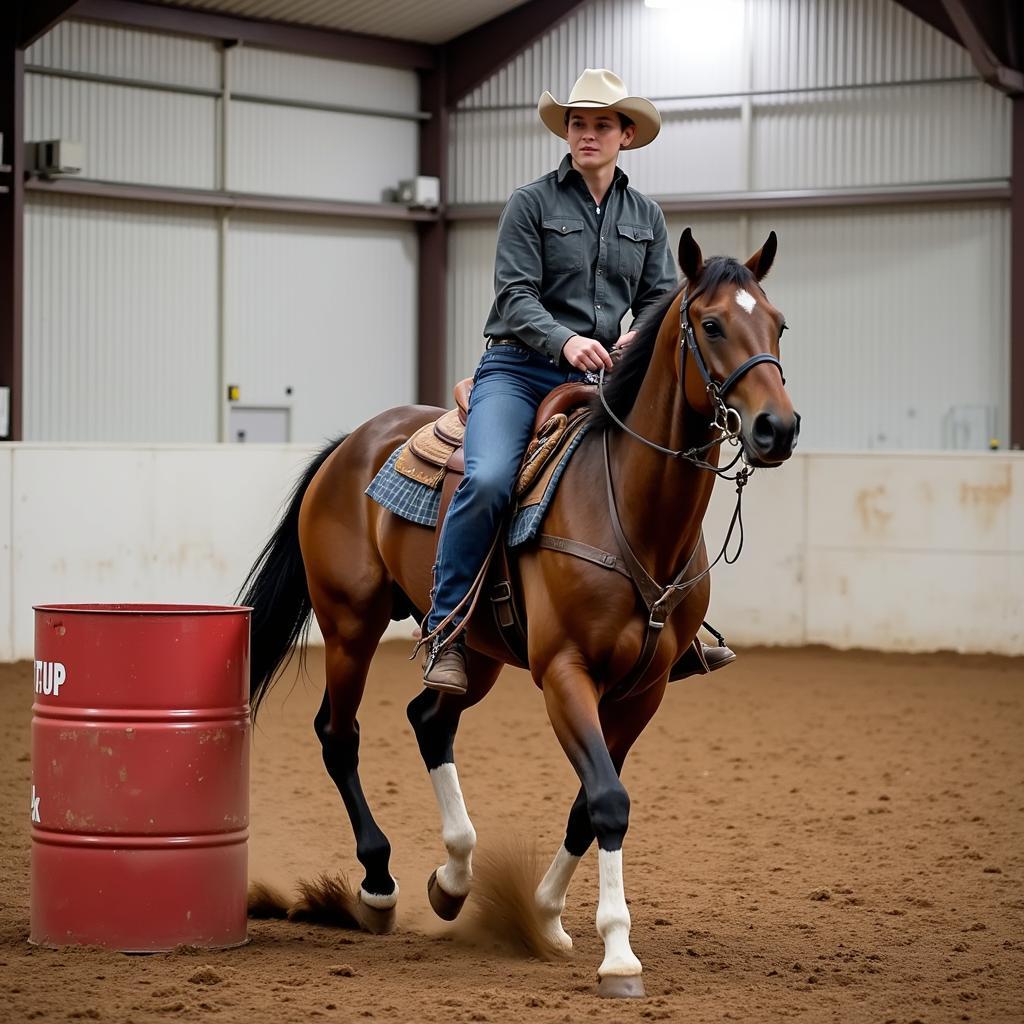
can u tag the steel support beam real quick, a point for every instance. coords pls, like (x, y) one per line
(476, 55)
(12, 219)
(432, 384)
(1017, 278)
(37, 17)
(317, 42)
(976, 40)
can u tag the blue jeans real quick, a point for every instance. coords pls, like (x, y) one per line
(509, 384)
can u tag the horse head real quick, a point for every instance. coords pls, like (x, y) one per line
(730, 351)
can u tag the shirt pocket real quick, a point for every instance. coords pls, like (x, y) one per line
(633, 242)
(563, 245)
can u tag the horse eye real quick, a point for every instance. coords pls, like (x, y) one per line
(711, 329)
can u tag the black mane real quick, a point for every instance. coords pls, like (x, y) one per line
(621, 386)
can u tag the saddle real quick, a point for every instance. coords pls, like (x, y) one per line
(434, 456)
(436, 448)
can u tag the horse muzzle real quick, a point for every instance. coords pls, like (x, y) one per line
(771, 438)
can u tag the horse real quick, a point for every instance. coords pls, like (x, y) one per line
(703, 368)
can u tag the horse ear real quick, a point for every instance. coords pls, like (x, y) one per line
(761, 262)
(690, 259)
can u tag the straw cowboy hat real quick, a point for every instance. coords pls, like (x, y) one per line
(595, 89)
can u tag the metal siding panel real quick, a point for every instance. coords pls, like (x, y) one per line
(892, 134)
(129, 134)
(128, 53)
(285, 151)
(899, 320)
(902, 135)
(295, 77)
(436, 22)
(120, 317)
(471, 247)
(326, 308)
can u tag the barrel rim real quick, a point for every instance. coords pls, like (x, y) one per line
(140, 609)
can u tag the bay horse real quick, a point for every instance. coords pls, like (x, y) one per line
(655, 436)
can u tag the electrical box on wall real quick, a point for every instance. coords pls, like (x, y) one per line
(55, 156)
(422, 192)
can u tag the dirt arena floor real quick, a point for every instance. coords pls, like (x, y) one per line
(822, 836)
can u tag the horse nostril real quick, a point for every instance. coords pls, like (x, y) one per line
(764, 431)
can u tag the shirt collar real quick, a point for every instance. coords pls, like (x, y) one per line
(566, 170)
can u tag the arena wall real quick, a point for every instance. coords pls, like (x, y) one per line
(895, 552)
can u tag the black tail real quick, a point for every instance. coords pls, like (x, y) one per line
(276, 589)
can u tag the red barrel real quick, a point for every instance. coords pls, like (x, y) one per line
(140, 776)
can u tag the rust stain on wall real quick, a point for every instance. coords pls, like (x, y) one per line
(986, 500)
(873, 516)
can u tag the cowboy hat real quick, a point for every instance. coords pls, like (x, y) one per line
(596, 89)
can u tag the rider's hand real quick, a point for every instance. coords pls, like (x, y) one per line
(625, 341)
(586, 353)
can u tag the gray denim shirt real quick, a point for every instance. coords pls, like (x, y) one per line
(565, 266)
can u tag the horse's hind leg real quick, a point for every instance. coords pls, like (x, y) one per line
(554, 886)
(434, 717)
(351, 640)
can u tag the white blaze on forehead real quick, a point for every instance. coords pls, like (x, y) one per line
(746, 300)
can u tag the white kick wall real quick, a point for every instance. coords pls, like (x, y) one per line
(138, 314)
(894, 552)
(899, 315)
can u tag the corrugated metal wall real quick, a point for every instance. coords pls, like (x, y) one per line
(826, 94)
(720, 74)
(898, 318)
(292, 289)
(325, 308)
(120, 321)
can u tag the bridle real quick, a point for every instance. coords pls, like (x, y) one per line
(725, 419)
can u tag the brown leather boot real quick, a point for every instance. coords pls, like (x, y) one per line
(718, 656)
(692, 664)
(445, 666)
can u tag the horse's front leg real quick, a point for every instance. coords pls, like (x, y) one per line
(572, 704)
(435, 719)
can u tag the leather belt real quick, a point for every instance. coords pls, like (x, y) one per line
(495, 342)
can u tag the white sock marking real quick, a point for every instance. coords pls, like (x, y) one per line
(746, 300)
(613, 919)
(551, 894)
(377, 901)
(456, 830)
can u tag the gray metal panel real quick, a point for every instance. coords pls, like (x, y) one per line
(327, 309)
(317, 153)
(470, 293)
(434, 22)
(129, 134)
(295, 77)
(733, 140)
(808, 43)
(128, 53)
(956, 131)
(120, 318)
(899, 320)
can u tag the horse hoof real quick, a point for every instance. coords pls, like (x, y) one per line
(446, 907)
(375, 920)
(621, 986)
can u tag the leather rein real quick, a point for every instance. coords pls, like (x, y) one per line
(662, 601)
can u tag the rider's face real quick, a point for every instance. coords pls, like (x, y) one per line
(595, 138)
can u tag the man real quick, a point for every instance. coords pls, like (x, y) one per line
(576, 249)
